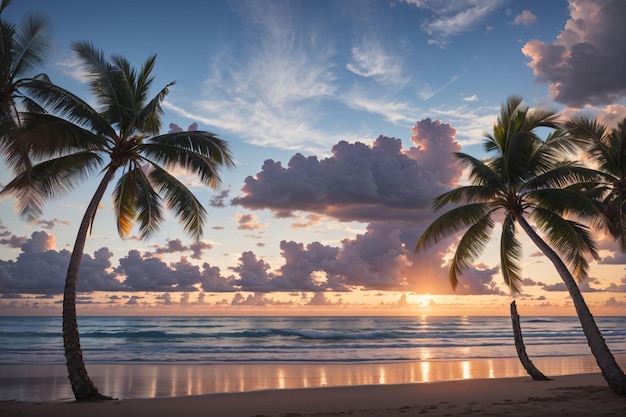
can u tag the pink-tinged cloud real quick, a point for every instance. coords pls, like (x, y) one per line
(526, 18)
(585, 64)
(39, 269)
(360, 182)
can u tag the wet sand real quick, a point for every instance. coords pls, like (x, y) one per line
(480, 387)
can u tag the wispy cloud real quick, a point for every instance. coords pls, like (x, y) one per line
(397, 112)
(270, 92)
(370, 59)
(453, 17)
(470, 121)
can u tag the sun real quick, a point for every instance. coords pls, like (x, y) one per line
(421, 300)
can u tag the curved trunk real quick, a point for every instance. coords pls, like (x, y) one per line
(530, 367)
(611, 371)
(82, 386)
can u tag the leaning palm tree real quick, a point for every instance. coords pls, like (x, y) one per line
(527, 179)
(72, 140)
(607, 150)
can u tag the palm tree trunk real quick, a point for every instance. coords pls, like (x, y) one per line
(611, 371)
(82, 386)
(530, 367)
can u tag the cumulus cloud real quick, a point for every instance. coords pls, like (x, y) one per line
(248, 222)
(585, 64)
(176, 245)
(526, 18)
(49, 224)
(584, 286)
(174, 128)
(320, 299)
(40, 269)
(360, 182)
(218, 200)
(257, 300)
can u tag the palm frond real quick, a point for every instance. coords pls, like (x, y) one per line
(44, 136)
(35, 185)
(62, 103)
(125, 203)
(149, 117)
(565, 201)
(471, 246)
(570, 239)
(451, 222)
(181, 201)
(565, 175)
(465, 195)
(32, 45)
(199, 152)
(480, 172)
(510, 255)
(135, 200)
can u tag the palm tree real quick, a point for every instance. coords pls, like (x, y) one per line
(527, 178)
(607, 149)
(72, 140)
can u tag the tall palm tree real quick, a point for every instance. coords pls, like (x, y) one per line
(527, 179)
(72, 140)
(607, 149)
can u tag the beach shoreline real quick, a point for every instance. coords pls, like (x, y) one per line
(568, 395)
(45, 383)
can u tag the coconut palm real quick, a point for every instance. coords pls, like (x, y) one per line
(607, 150)
(72, 140)
(527, 179)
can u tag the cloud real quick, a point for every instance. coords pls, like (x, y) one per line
(453, 17)
(585, 286)
(40, 269)
(174, 128)
(613, 302)
(621, 287)
(585, 65)
(277, 80)
(371, 60)
(360, 182)
(152, 274)
(471, 98)
(12, 241)
(526, 18)
(375, 102)
(49, 224)
(248, 222)
(176, 245)
(257, 300)
(319, 299)
(218, 200)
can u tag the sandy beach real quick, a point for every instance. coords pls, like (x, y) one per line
(480, 387)
(572, 395)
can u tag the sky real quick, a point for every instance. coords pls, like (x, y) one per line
(342, 117)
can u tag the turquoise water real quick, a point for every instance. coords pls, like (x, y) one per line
(38, 340)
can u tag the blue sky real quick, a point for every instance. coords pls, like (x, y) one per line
(342, 116)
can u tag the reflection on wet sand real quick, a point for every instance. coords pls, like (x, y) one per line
(49, 383)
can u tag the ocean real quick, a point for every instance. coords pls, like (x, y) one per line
(207, 340)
